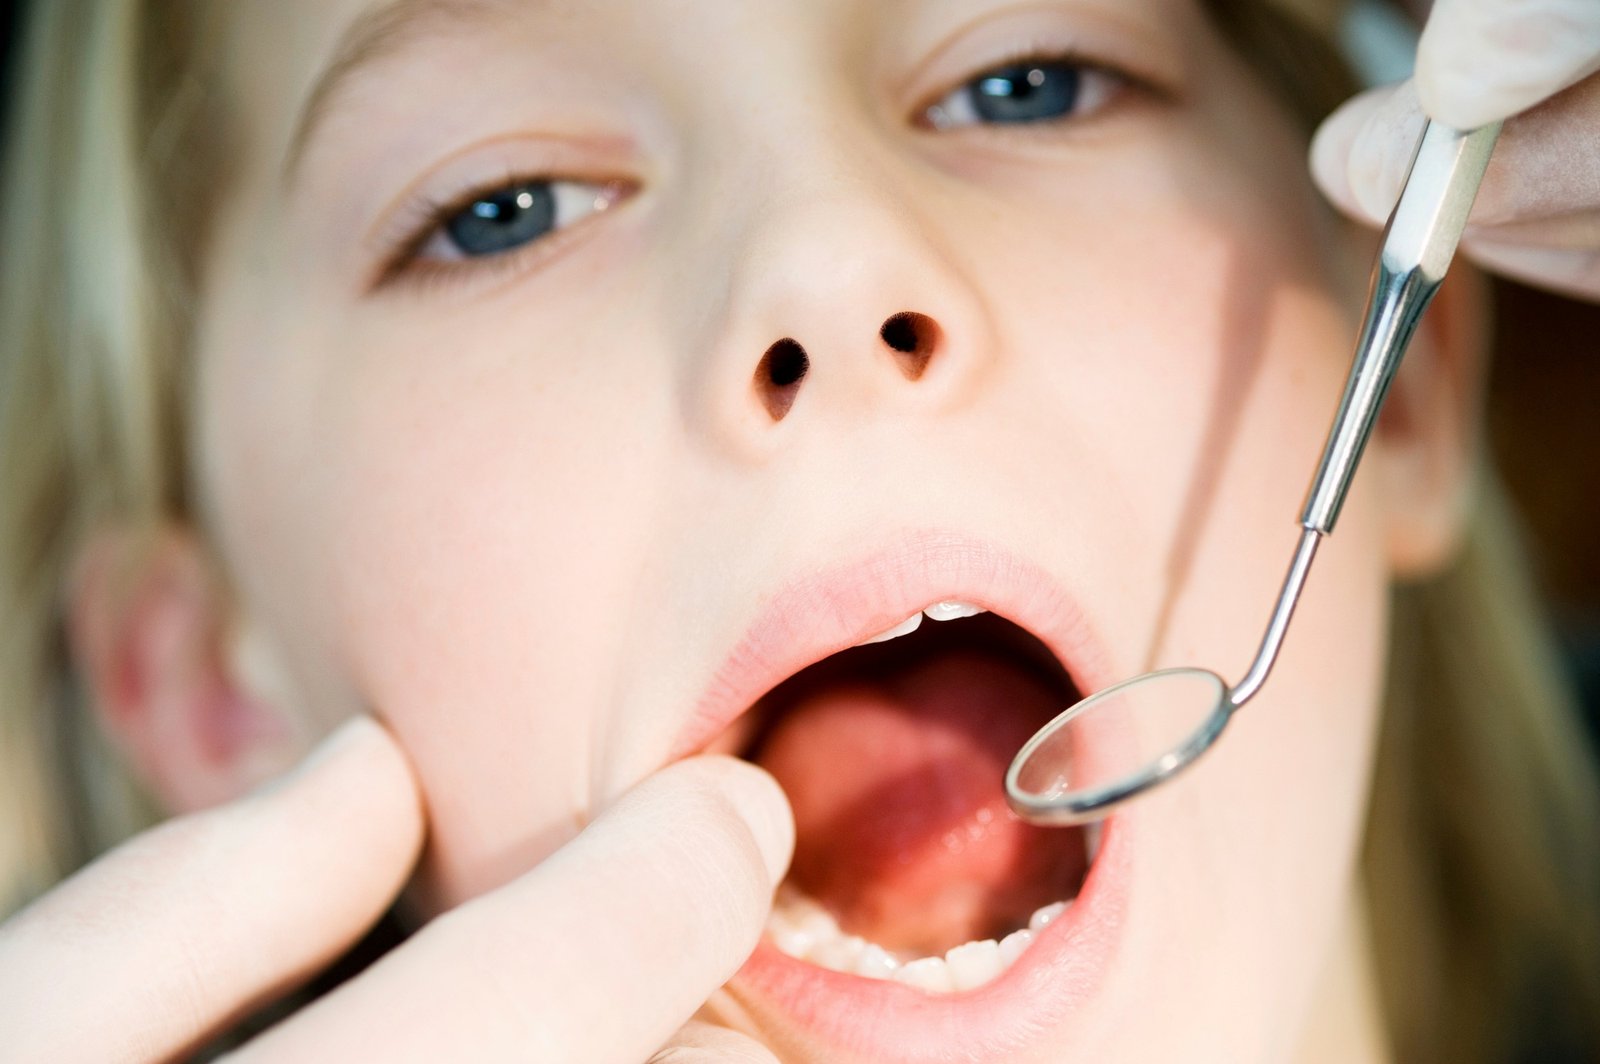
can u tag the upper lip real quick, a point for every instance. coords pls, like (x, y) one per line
(847, 601)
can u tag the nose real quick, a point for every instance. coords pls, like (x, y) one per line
(840, 303)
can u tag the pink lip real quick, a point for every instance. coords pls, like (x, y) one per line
(852, 1018)
(850, 601)
(838, 606)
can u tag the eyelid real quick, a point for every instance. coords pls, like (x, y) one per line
(1113, 39)
(483, 165)
(1103, 86)
(421, 221)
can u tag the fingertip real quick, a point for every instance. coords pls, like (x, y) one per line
(359, 736)
(373, 780)
(1454, 97)
(1330, 154)
(1480, 62)
(1383, 144)
(1349, 156)
(760, 802)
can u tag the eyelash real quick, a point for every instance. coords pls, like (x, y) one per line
(421, 220)
(1042, 54)
(426, 216)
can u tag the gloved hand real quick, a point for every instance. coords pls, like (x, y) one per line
(1537, 217)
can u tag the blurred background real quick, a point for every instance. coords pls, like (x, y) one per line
(1544, 394)
(8, 37)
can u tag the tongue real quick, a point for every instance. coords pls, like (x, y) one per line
(902, 828)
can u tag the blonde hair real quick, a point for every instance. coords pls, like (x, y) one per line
(1482, 854)
(1482, 838)
(93, 312)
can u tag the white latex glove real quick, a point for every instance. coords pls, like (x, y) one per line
(598, 955)
(1538, 213)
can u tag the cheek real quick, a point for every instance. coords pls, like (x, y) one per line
(455, 525)
(1192, 389)
(507, 498)
(1198, 390)
(1256, 850)
(1258, 846)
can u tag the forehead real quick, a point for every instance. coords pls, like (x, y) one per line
(306, 75)
(307, 43)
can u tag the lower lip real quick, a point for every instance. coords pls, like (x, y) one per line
(849, 1017)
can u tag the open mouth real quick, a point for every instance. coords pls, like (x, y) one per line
(908, 865)
(895, 936)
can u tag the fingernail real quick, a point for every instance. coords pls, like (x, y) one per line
(765, 808)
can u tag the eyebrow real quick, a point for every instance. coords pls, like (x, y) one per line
(377, 35)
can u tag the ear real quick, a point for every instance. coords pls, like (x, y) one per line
(1428, 436)
(151, 632)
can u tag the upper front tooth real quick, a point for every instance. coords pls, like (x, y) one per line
(905, 627)
(939, 611)
(949, 611)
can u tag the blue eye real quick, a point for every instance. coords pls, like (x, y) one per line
(1026, 92)
(499, 220)
(503, 220)
(1031, 90)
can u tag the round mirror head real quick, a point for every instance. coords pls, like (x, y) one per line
(1117, 744)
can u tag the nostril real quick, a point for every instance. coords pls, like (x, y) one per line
(778, 376)
(913, 337)
(786, 363)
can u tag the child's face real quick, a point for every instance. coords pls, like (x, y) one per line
(525, 506)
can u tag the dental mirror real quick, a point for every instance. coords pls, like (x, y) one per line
(1121, 742)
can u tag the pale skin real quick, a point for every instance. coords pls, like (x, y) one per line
(501, 491)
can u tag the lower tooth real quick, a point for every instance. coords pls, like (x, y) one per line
(1047, 915)
(839, 954)
(875, 962)
(929, 973)
(795, 942)
(798, 925)
(806, 931)
(974, 963)
(1012, 945)
(817, 923)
